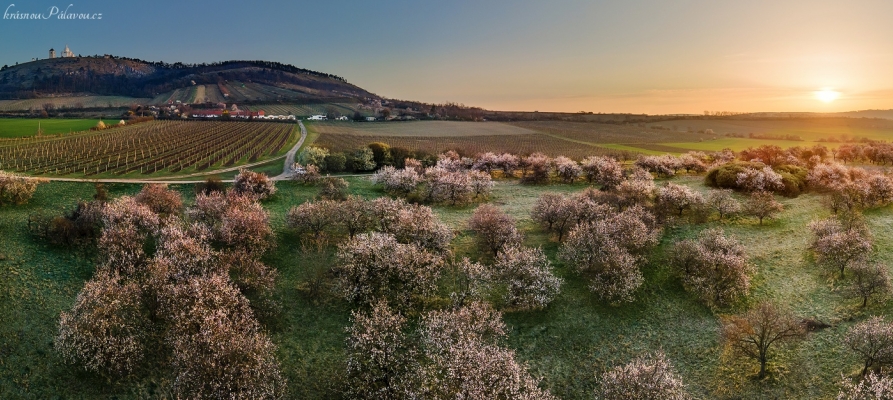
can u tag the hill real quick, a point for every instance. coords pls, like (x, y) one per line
(244, 81)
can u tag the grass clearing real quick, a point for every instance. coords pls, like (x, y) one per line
(20, 127)
(61, 103)
(808, 129)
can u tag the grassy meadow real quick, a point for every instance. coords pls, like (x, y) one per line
(568, 344)
(60, 103)
(20, 127)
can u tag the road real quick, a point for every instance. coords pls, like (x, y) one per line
(290, 156)
(286, 169)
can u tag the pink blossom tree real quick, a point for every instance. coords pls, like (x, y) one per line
(495, 229)
(646, 377)
(714, 267)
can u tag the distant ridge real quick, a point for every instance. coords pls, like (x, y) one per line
(121, 76)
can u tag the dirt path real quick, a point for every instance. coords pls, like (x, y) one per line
(199, 94)
(286, 169)
(290, 156)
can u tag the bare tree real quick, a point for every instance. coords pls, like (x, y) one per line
(869, 280)
(762, 205)
(723, 203)
(756, 332)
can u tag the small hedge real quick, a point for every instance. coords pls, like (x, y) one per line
(726, 176)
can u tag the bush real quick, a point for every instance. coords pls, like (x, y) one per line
(219, 350)
(726, 175)
(794, 180)
(872, 387)
(333, 188)
(646, 377)
(374, 266)
(495, 229)
(362, 160)
(160, 199)
(336, 162)
(312, 217)
(452, 354)
(255, 184)
(609, 250)
(381, 154)
(411, 223)
(15, 189)
(210, 185)
(104, 332)
(528, 276)
(713, 267)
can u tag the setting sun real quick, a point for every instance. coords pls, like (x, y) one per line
(826, 95)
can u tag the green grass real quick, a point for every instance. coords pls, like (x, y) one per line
(568, 344)
(14, 128)
(808, 129)
(738, 144)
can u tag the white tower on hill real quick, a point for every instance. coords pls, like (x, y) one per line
(52, 53)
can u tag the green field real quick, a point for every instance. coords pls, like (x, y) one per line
(62, 103)
(568, 344)
(14, 128)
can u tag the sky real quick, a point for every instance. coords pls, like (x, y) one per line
(633, 56)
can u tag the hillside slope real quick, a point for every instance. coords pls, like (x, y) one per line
(113, 76)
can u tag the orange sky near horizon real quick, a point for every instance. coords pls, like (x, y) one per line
(631, 56)
(666, 58)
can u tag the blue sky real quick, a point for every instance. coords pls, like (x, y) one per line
(566, 55)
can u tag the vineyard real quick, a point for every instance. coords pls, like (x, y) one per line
(148, 148)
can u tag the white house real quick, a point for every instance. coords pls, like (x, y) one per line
(317, 118)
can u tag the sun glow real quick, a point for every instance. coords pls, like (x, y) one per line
(826, 95)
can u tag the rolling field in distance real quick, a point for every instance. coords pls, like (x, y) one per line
(579, 139)
(809, 130)
(16, 128)
(71, 102)
(465, 137)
